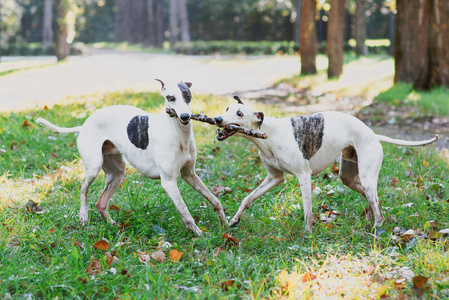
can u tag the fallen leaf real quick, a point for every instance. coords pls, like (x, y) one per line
(409, 173)
(217, 189)
(114, 207)
(393, 181)
(144, 257)
(94, 267)
(434, 235)
(218, 251)
(308, 277)
(175, 255)
(158, 255)
(419, 281)
(102, 245)
(425, 163)
(228, 284)
(26, 124)
(230, 239)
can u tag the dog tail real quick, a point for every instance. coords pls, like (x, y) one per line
(386, 139)
(57, 128)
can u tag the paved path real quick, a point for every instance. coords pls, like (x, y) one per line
(112, 71)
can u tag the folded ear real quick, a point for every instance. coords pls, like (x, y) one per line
(162, 83)
(189, 84)
(259, 116)
(238, 99)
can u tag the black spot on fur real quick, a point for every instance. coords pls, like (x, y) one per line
(138, 131)
(308, 132)
(186, 94)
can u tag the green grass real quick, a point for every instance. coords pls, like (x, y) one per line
(39, 256)
(435, 101)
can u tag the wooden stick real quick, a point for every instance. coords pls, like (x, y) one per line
(231, 127)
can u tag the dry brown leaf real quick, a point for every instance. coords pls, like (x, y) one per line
(425, 163)
(94, 267)
(102, 245)
(114, 207)
(217, 189)
(175, 255)
(393, 181)
(228, 284)
(419, 281)
(308, 277)
(26, 124)
(230, 240)
(77, 243)
(144, 257)
(158, 255)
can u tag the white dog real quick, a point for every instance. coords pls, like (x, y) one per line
(306, 145)
(157, 145)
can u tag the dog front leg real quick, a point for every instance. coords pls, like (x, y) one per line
(272, 180)
(195, 182)
(305, 182)
(171, 188)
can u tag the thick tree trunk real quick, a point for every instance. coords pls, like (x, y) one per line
(360, 28)
(62, 49)
(184, 16)
(410, 42)
(335, 38)
(156, 31)
(173, 22)
(47, 30)
(297, 28)
(435, 68)
(308, 40)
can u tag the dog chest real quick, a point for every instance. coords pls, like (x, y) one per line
(308, 133)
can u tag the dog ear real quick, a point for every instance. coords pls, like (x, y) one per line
(259, 116)
(162, 83)
(238, 99)
(189, 84)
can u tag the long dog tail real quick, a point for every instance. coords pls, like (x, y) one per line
(57, 128)
(387, 139)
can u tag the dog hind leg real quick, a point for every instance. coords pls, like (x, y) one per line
(114, 168)
(305, 183)
(369, 164)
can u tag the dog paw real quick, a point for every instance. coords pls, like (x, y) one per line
(234, 222)
(84, 219)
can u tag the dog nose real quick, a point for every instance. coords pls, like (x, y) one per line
(218, 120)
(184, 117)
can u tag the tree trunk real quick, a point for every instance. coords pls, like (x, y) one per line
(185, 33)
(435, 68)
(156, 31)
(173, 22)
(62, 49)
(297, 28)
(308, 40)
(335, 37)
(360, 28)
(47, 30)
(410, 40)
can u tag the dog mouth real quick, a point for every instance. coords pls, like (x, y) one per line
(184, 122)
(224, 133)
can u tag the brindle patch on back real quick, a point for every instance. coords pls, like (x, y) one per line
(138, 131)
(308, 132)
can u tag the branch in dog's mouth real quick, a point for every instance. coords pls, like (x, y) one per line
(228, 130)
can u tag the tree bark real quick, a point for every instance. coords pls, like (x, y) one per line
(308, 39)
(156, 31)
(335, 38)
(173, 22)
(435, 67)
(297, 28)
(184, 17)
(410, 41)
(360, 28)
(47, 30)
(62, 49)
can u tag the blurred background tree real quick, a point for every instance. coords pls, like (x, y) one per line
(417, 30)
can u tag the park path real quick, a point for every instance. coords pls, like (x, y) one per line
(105, 70)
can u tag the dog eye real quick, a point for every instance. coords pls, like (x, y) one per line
(227, 108)
(171, 98)
(239, 113)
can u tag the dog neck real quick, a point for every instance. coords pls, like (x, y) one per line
(269, 127)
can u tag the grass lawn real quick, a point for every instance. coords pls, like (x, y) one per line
(45, 252)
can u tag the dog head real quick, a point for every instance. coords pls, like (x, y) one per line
(177, 99)
(241, 115)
